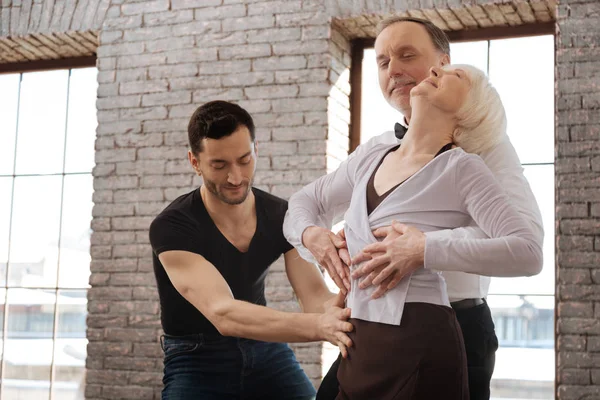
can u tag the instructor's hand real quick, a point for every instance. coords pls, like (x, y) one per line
(334, 325)
(324, 246)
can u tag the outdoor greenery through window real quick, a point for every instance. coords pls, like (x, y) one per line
(47, 132)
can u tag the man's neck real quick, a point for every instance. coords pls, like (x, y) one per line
(228, 214)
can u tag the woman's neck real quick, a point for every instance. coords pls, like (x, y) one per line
(428, 131)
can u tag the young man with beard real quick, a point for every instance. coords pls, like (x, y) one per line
(212, 250)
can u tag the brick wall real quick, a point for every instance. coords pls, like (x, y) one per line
(578, 200)
(288, 65)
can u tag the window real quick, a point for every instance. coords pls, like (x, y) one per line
(522, 69)
(47, 132)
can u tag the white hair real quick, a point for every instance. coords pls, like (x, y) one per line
(481, 119)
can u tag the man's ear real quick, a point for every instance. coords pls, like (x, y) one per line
(445, 60)
(194, 162)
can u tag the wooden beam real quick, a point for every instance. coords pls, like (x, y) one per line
(44, 65)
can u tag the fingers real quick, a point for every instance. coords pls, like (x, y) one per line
(360, 257)
(344, 339)
(386, 285)
(343, 350)
(379, 261)
(382, 231)
(337, 241)
(400, 228)
(339, 268)
(342, 234)
(345, 256)
(383, 275)
(337, 280)
(368, 281)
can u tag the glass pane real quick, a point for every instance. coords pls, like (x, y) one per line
(71, 345)
(541, 179)
(2, 302)
(9, 101)
(42, 117)
(74, 264)
(376, 116)
(473, 53)
(523, 72)
(34, 233)
(5, 204)
(28, 350)
(525, 359)
(82, 121)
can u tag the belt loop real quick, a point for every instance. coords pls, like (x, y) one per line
(162, 342)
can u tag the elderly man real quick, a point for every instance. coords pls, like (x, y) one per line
(406, 49)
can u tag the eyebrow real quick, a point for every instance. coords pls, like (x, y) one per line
(217, 160)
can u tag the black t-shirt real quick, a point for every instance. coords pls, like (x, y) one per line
(186, 225)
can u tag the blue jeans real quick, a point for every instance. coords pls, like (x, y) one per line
(225, 368)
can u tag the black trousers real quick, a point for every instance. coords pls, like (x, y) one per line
(481, 344)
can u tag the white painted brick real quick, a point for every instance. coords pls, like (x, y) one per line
(163, 181)
(179, 4)
(271, 91)
(263, 134)
(302, 75)
(219, 39)
(211, 13)
(300, 133)
(319, 60)
(219, 67)
(107, 115)
(178, 138)
(274, 7)
(106, 37)
(197, 28)
(316, 118)
(141, 167)
(303, 47)
(276, 120)
(168, 44)
(133, 74)
(255, 106)
(105, 142)
(185, 110)
(121, 23)
(108, 90)
(142, 60)
(102, 196)
(164, 99)
(314, 89)
(248, 79)
(120, 49)
(228, 94)
(148, 33)
(136, 140)
(118, 102)
(302, 104)
(316, 32)
(279, 63)
(132, 196)
(115, 155)
(161, 153)
(246, 23)
(139, 87)
(119, 127)
(271, 35)
(244, 51)
(143, 113)
(106, 63)
(150, 209)
(302, 19)
(103, 170)
(168, 17)
(106, 76)
(112, 210)
(147, 6)
(201, 82)
(178, 167)
(166, 125)
(191, 55)
(170, 71)
(277, 149)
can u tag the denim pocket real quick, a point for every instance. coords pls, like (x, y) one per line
(175, 347)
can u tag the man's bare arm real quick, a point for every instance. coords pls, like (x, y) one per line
(200, 283)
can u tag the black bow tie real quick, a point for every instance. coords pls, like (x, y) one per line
(399, 130)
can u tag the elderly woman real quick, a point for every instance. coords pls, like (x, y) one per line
(432, 181)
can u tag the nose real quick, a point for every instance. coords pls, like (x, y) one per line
(435, 71)
(234, 176)
(395, 68)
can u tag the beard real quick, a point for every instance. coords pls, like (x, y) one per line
(222, 195)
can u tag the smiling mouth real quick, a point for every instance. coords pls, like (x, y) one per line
(401, 86)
